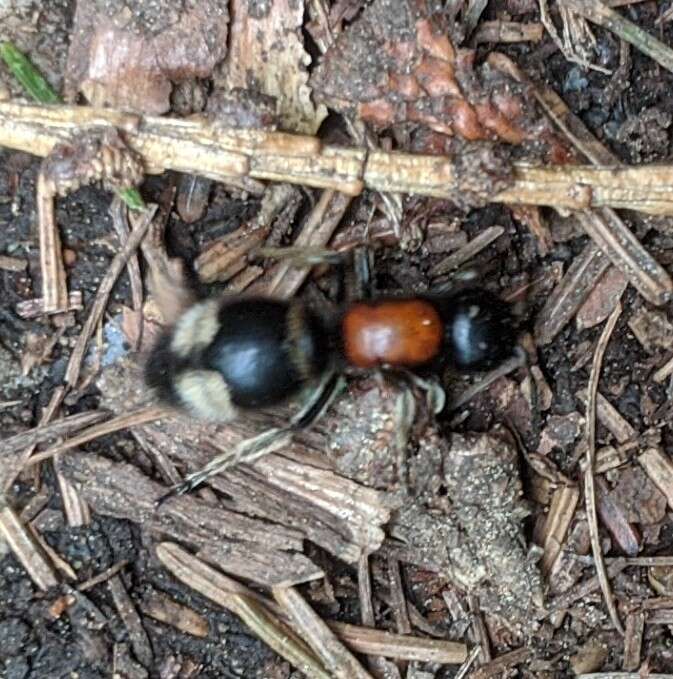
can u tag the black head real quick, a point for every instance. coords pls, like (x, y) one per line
(479, 330)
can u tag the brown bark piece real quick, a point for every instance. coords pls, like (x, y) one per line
(614, 518)
(127, 612)
(314, 502)
(244, 546)
(561, 512)
(127, 55)
(164, 609)
(267, 54)
(652, 329)
(561, 432)
(602, 300)
(643, 502)
(659, 468)
(633, 640)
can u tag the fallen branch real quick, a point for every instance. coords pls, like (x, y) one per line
(198, 147)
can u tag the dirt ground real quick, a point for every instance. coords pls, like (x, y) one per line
(634, 122)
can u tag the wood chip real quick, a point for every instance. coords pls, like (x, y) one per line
(561, 513)
(652, 329)
(583, 590)
(650, 561)
(225, 257)
(569, 295)
(127, 612)
(602, 299)
(317, 230)
(590, 656)
(507, 31)
(365, 592)
(609, 457)
(398, 599)
(502, 663)
(661, 617)
(610, 418)
(52, 268)
(467, 252)
(333, 654)
(244, 546)
(479, 631)
(22, 545)
(663, 373)
(633, 640)
(659, 467)
(12, 264)
(33, 308)
(399, 646)
(615, 520)
(164, 609)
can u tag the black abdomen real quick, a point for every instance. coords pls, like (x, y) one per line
(256, 350)
(233, 354)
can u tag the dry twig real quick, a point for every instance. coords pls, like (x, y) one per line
(25, 550)
(561, 513)
(468, 251)
(589, 481)
(508, 31)
(125, 421)
(500, 664)
(198, 147)
(54, 285)
(596, 11)
(633, 639)
(333, 654)
(127, 612)
(103, 293)
(230, 595)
